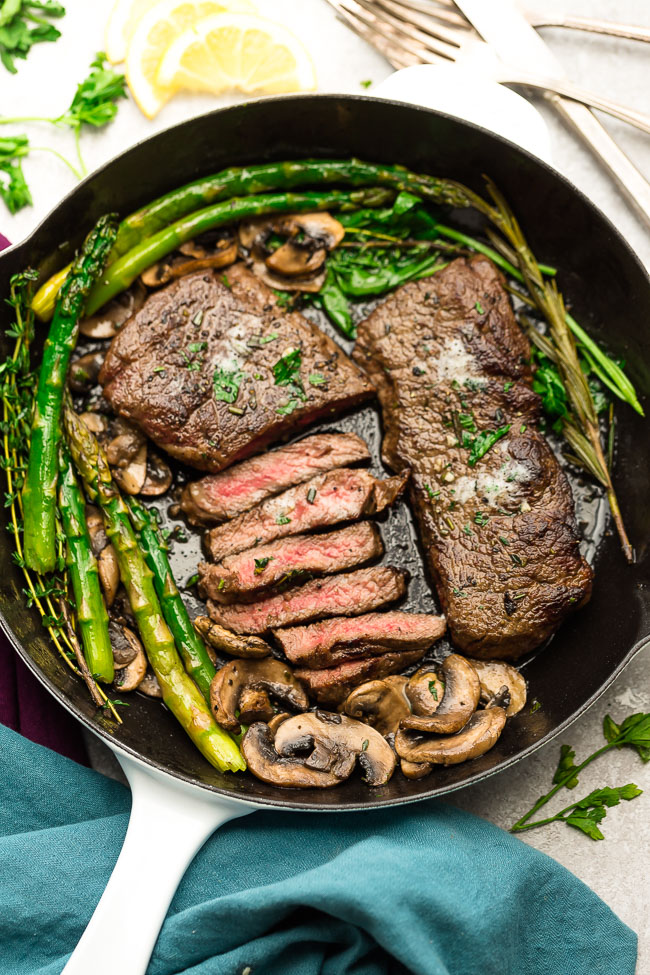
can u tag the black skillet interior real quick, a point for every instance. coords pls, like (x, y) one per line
(608, 292)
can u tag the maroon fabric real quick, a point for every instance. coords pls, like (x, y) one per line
(4, 242)
(26, 707)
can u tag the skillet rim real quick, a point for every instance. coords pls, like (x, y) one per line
(289, 803)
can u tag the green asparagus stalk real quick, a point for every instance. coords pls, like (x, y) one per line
(126, 269)
(188, 642)
(39, 491)
(180, 693)
(82, 566)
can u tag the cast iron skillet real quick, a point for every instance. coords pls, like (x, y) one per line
(609, 293)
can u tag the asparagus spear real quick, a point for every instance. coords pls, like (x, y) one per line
(190, 645)
(39, 491)
(82, 566)
(180, 693)
(126, 269)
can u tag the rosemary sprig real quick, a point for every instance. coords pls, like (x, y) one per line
(49, 594)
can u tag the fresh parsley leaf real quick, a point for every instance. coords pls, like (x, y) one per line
(94, 102)
(587, 822)
(480, 518)
(287, 369)
(289, 407)
(548, 383)
(226, 384)
(23, 24)
(282, 519)
(13, 186)
(611, 730)
(365, 84)
(466, 421)
(433, 690)
(479, 307)
(566, 767)
(283, 299)
(261, 564)
(316, 378)
(479, 445)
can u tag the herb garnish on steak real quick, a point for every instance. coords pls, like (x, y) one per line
(213, 370)
(494, 508)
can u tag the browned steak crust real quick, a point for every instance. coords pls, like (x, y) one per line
(160, 369)
(500, 537)
(332, 686)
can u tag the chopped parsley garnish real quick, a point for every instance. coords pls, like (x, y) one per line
(287, 369)
(282, 519)
(192, 581)
(479, 445)
(366, 84)
(193, 358)
(259, 340)
(289, 407)
(283, 299)
(224, 280)
(458, 592)
(480, 518)
(364, 746)
(467, 530)
(159, 369)
(261, 564)
(507, 386)
(503, 540)
(226, 384)
(466, 421)
(431, 492)
(535, 706)
(479, 307)
(316, 378)
(311, 494)
(222, 584)
(433, 690)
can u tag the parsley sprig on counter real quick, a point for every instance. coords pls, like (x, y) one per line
(587, 813)
(24, 23)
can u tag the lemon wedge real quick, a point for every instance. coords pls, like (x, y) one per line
(241, 52)
(154, 33)
(123, 20)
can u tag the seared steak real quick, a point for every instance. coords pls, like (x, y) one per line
(333, 641)
(219, 497)
(352, 592)
(333, 685)
(452, 366)
(258, 569)
(194, 368)
(325, 500)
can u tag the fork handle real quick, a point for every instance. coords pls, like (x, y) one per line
(569, 90)
(633, 185)
(630, 32)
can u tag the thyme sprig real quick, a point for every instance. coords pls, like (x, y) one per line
(49, 594)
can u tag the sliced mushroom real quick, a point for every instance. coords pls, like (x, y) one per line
(132, 477)
(320, 227)
(124, 642)
(177, 267)
(294, 259)
(109, 573)
(415, 770)
(109, 319)
(380, 704)
(298, 263)
(493, 674)
(231, 643)
(149, 685)
(84, 371)
(130, 677)
(265, 763)
(269, 675)
(158, 478)
(460, 699)
(277, 720)
(311, 283)
(255, 705)
(477, 737)
(95, 422)
(425, 691)
(333, 736)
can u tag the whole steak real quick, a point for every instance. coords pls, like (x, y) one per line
(495, 510)
(213, 370)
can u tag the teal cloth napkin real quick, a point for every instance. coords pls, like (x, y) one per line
(425, 889)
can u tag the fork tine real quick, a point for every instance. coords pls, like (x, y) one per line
(444, 10)
(395, 56)
(423, 23)
(402, 34)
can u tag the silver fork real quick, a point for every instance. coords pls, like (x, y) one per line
(404, 32)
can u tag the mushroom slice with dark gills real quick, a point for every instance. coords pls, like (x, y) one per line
(493, 675)
(317, 749)
(459, 701)
(233, 683)
(225, 641)
(380, 703)
(106, 323)
(126, 453)
(297, 264)
(84, 371)
(478, 736)
(129, 677)
(158, 477)
(192, 257)
(109, 573)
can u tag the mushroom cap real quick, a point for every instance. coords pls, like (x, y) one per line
(477, 737)
(298, 263)
(109, 319)
(235, 645)
(177, 266)
(124, 643)
(334, 734)
(84, 371)
(493, 674)
(158, 477)
(460, 699)
(269, 675)
(414, 770)
(379, 704)
(424, 690)
(149, 685)
(290, 771)
(130, 677)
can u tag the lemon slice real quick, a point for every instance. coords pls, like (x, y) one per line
(157, 29)
(124, 18)
(237, 51)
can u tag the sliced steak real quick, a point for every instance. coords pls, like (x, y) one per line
(219, 497)
(333, 641)
(327, 499)
(250, 573)
(333, 685)
(351, 592)
(450, 364)
(194, 368)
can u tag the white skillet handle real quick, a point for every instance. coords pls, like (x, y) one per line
(169, 823)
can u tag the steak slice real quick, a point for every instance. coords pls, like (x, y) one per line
(194, 369)
(340, 495)
(219, 497)
(250, 573)
(352, 592)
(333, 641)
(333, 685)
(450, 364)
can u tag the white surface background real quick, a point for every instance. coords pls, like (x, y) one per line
(618, 868)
